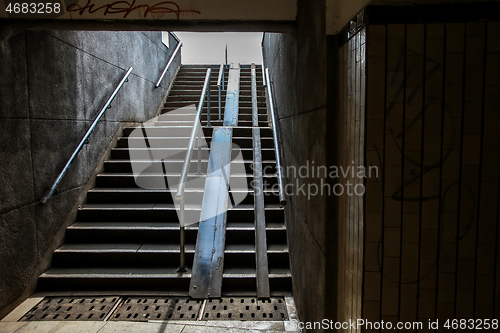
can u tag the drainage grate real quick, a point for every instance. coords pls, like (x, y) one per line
(70, 308)
(144, 309)
(245, 309)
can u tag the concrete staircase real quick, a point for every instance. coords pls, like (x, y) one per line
(126, 239)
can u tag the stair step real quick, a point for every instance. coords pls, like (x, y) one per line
(195, 182)
(166, 131)
(175, 166)
(235, 280)
(141, 195)
(171, 142)
(128, 278)
(247, 153)
(163, 232)
(154, 181)
(167, 212)
(151, 254)
(136, 212)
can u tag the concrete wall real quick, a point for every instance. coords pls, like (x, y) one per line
(340, 12)
(53, 85)
(297, 65)
(433, 127)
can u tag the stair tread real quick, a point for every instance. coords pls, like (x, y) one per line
(181, 149)
(165, 248)
(164, 226)
(136, 272)
(120, 272)
(135, 206)
(250, 248)
(128, 226)
(157, 248)
(159, 127)
(121, 248)
(139, 190)
(251, 226)
(251, 207)
(98, 248)
(194, 159)
(193, 174)
(247, 272)
(164, 206)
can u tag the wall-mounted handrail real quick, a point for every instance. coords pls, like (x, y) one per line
(185, 167)
(50, 192)
(168, 64)
(219, 80)
(275, 139)
(264, 82)
(175, 36)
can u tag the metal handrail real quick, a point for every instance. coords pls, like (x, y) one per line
(275, 139)
(219, 80)
(168, 64)
(50, 192)
(187, 161)
(264, 82)
(175, 36)
(182, 182)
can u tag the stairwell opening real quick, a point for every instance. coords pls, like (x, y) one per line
(125, 238)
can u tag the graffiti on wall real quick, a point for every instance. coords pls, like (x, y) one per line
(125, 8)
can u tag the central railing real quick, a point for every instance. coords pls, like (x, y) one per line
(195, 133)
(220, 86)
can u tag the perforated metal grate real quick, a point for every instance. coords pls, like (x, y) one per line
(245, 309)
(68, 309)
(144, 309)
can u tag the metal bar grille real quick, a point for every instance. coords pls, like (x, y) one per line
(244, 308)
(144, 309)
(71, 309)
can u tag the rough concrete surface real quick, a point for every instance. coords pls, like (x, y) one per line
(297, 68)
(54, 83)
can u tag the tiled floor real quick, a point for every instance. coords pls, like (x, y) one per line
(10, 324)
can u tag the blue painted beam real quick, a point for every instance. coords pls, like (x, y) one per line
(208, 264)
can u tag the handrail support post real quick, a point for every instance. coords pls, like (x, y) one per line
(182, 268)
(220, 81)
(208, 105)
(199, 151)
(219, 104)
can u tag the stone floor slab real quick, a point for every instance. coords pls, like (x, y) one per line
(136, 327)
(9, 327)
